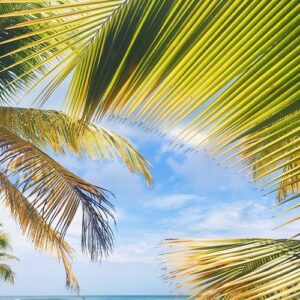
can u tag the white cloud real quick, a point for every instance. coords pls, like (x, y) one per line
(204, 173)
(139, 252)
(236, 219)
(172, 201)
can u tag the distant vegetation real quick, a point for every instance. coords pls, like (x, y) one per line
(6, 273)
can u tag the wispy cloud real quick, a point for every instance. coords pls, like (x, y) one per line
(250, 219)
(202, 172)
(173, 201)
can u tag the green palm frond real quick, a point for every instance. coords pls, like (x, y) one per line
(6, 273)
(238, 269)
(65, 31)
(9, 84)
(220, 69)
(4, 242)
(49, 128)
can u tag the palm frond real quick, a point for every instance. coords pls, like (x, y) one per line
(56, 193)
(228, 70)
(49, 128)
(6, 273)
(38, 231)
(4, 242)
(65, 31)
(41, 194)
(223, 68)
(10, 86)
(236, 268)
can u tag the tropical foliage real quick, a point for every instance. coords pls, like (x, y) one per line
(6, 273)
(224, 68)
(41, 194)
(223, 73)
(237, 269)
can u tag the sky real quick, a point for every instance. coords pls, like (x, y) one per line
(192, 196)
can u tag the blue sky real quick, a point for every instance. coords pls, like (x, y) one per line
(192, 197)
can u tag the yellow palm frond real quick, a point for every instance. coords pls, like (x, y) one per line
(38, 231)
(238, 269)
(49, 128)
(53, 191)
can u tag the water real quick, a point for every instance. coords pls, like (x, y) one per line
(93, 298)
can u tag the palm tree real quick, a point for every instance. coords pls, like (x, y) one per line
(6, 273)
(41, 194)
(223, 73)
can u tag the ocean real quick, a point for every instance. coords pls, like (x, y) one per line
(92, 298)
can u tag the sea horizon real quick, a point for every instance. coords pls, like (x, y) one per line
(90, 297)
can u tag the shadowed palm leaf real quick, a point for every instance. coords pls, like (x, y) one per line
(56, 196)
(10, 87)
(236, 269)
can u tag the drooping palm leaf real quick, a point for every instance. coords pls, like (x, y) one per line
(34, 226)
(236, 269)
(6, 273)
(56, 193)
(20, 130)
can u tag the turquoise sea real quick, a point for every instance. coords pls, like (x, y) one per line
(92, 298)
